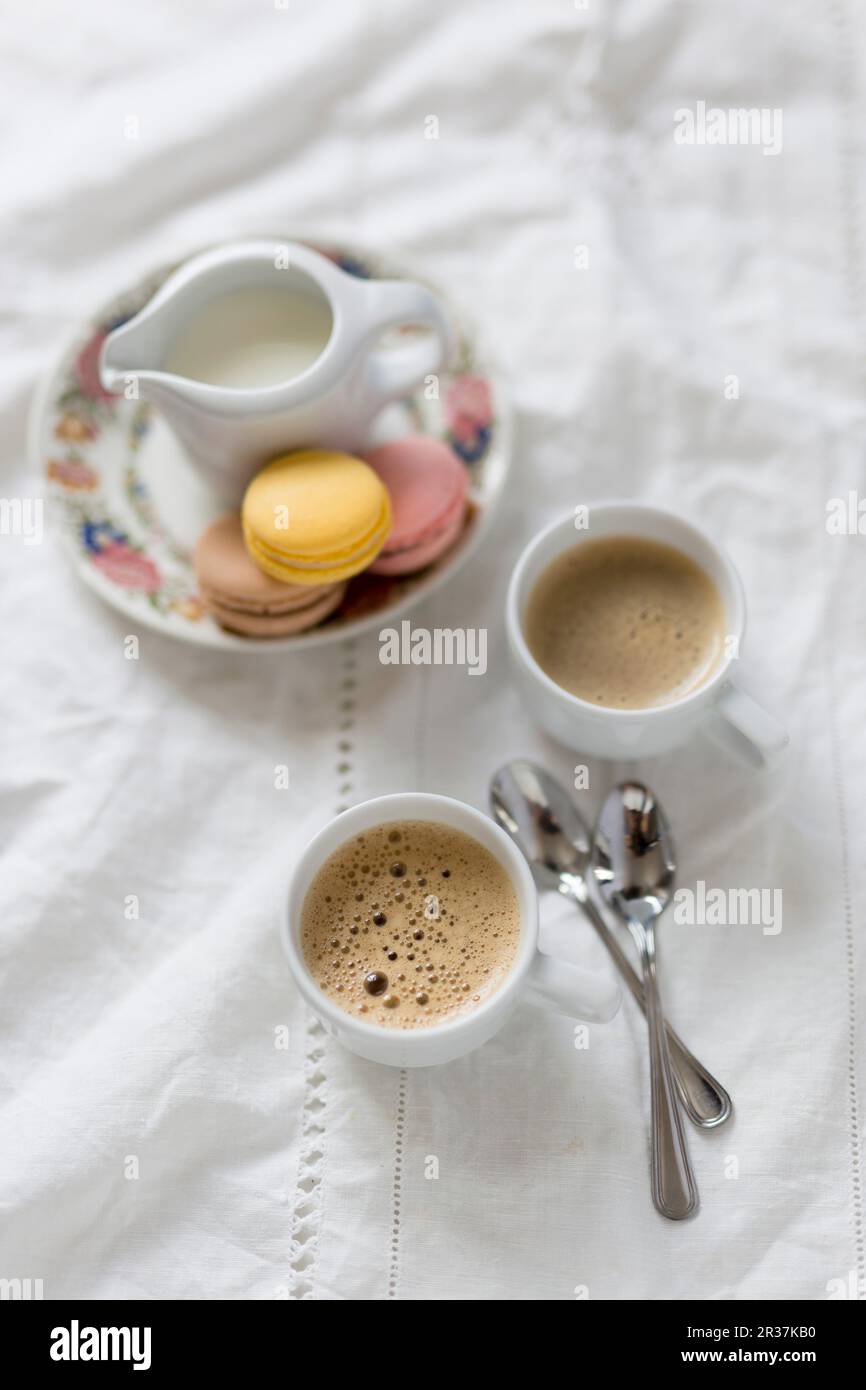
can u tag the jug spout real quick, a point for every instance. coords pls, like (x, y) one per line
(128, 351)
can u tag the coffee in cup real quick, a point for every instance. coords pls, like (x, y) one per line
(626, 622)
(410, 924)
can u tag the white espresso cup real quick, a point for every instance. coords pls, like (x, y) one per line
(534, 977)
(733, 718)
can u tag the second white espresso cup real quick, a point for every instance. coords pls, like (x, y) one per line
(541, 979)
(733, 718)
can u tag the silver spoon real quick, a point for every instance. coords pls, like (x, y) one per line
(539, 815)
(633, 862)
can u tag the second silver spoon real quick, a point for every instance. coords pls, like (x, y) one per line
(633, 862)
(542, 819)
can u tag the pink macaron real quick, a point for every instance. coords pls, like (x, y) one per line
(427, 485)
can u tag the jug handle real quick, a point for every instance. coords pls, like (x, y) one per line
(392, 374)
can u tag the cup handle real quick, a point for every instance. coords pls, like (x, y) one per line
(392, 374)
(566, 989)
(739, 725)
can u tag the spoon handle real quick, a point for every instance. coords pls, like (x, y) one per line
(674, 1191)
(704, 1100)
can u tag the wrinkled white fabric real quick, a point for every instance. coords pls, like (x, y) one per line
(156, 1139)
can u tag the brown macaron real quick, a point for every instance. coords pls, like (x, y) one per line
(244, 599)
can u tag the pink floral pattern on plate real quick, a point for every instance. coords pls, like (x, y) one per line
(469, 416)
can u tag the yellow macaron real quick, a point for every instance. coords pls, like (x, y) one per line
(315, 517)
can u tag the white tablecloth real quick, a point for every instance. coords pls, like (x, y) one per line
(156, 1138)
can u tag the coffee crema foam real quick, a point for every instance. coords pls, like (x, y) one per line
(410, 924)
(626, 623)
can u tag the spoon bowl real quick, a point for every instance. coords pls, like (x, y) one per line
(540, 817)
(633, 854)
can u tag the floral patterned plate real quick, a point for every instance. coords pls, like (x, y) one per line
(128, 506)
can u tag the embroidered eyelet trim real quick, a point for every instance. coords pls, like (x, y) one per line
(397, 1188)
(308, 1202)
(851, 968)
(307, 1217)
(856, 298)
